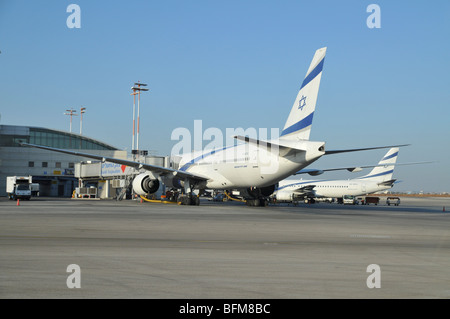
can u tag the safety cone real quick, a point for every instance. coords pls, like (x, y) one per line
(18, 202)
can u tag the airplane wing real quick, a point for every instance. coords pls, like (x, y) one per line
(315, 172)
(137, 165)
(267, 144)
(305, 190)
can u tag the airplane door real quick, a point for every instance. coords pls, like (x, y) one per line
(363, 187)
(253, 156)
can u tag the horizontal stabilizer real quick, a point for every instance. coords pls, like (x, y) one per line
(254, 141)
(362, 149)
(387, 183)
(281, 144)
(315, 172)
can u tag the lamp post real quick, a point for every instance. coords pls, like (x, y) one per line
(82, 110)
(71, 113)
(137, 90)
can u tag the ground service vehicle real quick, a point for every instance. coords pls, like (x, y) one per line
(393, 200)
(349, 200)
(371, 200)
(18, 187)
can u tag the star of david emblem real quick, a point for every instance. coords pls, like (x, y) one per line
(302, 102)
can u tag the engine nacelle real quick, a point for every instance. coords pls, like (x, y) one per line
(172, 182)
(144, 184)
(284, 196)
(315, 173)
(177, 183)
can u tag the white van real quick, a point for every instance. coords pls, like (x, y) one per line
(349, 200)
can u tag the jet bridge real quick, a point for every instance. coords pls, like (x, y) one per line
(109, 180)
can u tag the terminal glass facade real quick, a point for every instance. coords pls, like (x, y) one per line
(51, 138)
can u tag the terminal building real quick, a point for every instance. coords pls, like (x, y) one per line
(55, 172)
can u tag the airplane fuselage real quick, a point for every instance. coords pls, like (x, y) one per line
(334, 189)
(241, 165)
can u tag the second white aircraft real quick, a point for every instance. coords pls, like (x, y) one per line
(379, 179)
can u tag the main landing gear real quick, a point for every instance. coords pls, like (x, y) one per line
(258, 196)
(256, 202)
(188, 199)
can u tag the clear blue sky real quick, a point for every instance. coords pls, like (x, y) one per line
(237, 64)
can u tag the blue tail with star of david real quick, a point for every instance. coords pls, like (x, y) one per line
(298, 124)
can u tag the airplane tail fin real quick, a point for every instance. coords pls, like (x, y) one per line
(298, 124)
(384, 173)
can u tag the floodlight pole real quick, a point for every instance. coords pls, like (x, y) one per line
(71, 113)
(82, 110)
(134, 125)
(138, 114)
(137, 90)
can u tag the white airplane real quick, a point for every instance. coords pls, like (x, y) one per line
(253, 167)
(379, 179)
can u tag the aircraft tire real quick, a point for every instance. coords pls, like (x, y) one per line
(253, 202)
(195, 201)
(256, 202)
(185, 200)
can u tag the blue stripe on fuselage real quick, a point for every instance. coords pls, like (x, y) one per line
(186, 166)
(305, 182)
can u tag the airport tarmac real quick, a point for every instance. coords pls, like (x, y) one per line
(129, 249)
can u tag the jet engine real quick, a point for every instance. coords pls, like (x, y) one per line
(144, 184)
(284, 196)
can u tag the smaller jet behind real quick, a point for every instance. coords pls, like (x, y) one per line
(379, 179)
